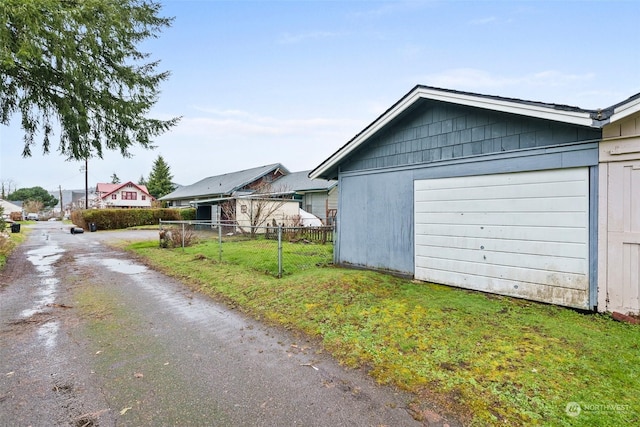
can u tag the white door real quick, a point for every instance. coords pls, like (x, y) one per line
(520, 234)
(623, 237)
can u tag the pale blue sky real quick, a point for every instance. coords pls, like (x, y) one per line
(292, 81)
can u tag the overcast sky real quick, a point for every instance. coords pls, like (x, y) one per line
(292, 81)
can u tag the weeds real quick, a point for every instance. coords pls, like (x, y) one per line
(8, 243)
(175, 237)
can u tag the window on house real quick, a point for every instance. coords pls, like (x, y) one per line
(243, 208)
(129, 195)
(144, 197)
(114, 196)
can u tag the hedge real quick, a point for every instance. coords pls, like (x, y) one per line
(114, 219)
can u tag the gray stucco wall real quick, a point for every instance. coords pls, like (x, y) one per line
(375, 215)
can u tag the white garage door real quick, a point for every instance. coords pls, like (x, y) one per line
(520, 234)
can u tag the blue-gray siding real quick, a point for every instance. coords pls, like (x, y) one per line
(435, 131)
(440, 140)
(316, 203)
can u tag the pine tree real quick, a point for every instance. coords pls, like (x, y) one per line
(76, 66)
(159, 183)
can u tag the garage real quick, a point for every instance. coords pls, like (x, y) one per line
(523, 234)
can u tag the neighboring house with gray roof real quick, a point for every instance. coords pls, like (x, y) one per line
(316, 196)
(10, 208)
(206, 194)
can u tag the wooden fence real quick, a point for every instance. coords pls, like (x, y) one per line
(322, 234)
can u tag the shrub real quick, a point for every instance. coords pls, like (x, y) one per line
(78, 219)
(113, 219)
(173, 237)
(187, 214)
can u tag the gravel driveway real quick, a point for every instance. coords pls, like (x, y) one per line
(89, 337)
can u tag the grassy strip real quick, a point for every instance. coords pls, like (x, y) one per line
(262, 254)
(491, 360)
(9, 243)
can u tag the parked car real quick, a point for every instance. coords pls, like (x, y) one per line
(33, 217)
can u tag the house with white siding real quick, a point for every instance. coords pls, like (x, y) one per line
(126, 195)
(315, 196)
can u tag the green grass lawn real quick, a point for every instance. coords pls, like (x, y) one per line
(488, 359)
(261, 254)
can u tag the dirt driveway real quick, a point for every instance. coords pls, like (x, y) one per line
(89, 337)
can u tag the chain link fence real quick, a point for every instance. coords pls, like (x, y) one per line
(274, 250)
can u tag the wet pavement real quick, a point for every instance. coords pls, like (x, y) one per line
(89, 336)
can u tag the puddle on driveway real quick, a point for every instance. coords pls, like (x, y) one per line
(123, 266)
(47, 292)
(48, 333)
(44, 257)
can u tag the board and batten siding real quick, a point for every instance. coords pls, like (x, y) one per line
(619, 217)
(522, 234)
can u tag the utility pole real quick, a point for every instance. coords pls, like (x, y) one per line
(86, 182)
(61, 204)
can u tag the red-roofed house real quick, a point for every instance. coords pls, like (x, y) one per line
(126, 195)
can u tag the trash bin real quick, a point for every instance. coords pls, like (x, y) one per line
(77, 230)
(92, 227)
(15, 227)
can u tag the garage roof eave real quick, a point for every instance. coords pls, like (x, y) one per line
(215, 199)
(625, 108)
(560, 113)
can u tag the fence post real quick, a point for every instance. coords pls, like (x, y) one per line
(183, 236)
(279, 251)
(220, 242)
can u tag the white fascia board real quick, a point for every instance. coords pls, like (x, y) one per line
(375, 127)
(523, 109)
(625, 110)
(580, 118)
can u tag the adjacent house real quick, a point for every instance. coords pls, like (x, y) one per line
(237, 196)
(315, 196)
(209, 195)
(126, 195)
(496, 194)
(10, 208)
